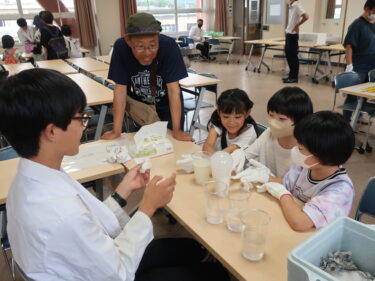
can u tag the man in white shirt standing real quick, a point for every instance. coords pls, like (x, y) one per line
(57, 229)
(26, 34)
(297, 16)
(196, 33)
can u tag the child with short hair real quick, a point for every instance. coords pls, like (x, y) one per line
(11, 55)
(72, 44)
(325, 142)
(272, 149)
(37, 53)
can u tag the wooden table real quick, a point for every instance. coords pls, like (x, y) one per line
(188, 207)
(58, 65)
(15, 68)
(96, 94)
(357, 90)
(323, 52)
(89, 64)
(196, 80)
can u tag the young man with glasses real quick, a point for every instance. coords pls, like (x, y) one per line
(147, 66)
(57, 229)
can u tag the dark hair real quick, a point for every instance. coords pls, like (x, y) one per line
(3, 73)
(292, 102)
(21, 22)
(370, 4)
(46, 17)
(31, 100)
(37, 50)
(232, 100)
(200, 20)
(65, 30)
(327, 135)
(7, 41)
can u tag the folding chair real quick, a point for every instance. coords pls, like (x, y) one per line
(366, 204)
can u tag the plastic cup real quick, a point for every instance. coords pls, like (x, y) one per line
(238, 199)
(201, 166)
(215, 193)
(255, 223)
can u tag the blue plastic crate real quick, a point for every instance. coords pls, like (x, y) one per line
(344, 234)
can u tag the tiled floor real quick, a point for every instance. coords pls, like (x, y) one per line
(260, 87)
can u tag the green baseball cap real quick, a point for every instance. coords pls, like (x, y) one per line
(142, 24)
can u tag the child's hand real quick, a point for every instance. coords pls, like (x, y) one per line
(277, 190)
(238, 160)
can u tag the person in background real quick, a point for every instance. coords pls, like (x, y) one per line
(37, 53)
(297, 16)
(57, 229)
(11, 55)
(38, 25)
(26, 34)
(49, 32)
(196, 33)
(147, 67)
(325, 141)
(360, 48)
(72, 44)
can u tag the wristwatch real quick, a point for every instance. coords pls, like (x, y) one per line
(121, 201)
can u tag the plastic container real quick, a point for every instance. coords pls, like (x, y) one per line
(344, 234)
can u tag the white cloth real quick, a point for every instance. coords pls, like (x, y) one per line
(196, 34)
(243, 140)
(295, 13)
(26, 35)
(73, 46)
(267, 150)
(59, 231)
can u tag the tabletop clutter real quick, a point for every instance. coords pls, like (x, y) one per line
(227, 196)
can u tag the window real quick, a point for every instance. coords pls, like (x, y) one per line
(334, 8)
(176, 16)
(11, 10)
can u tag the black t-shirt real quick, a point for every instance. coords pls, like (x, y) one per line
(361, 36)
(126, 70)
(45, 36)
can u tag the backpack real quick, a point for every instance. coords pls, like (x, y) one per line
(73, 46)
(10, 58)
(57, 44)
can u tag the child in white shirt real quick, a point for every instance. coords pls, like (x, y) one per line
(72, 44)
(272, 149)
(231, 125)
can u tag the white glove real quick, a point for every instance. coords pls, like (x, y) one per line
(349, 68)
(119, 154)
(257, 164)
(145, 166)
(277, 190)
(256, 175)
(238, 160)
(186, 163)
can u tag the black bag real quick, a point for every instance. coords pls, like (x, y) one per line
(57, 44)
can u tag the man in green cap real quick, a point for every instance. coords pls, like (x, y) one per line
(146, 67)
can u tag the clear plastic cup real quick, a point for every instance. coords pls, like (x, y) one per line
(255, 223)
(201, 166)
(238, 199)
(215, 193)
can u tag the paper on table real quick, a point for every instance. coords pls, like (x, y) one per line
(93, 155)
(151, 141)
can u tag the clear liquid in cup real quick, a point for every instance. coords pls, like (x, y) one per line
(233, 220)
(214, 215)
(202, 170)
(253, 248)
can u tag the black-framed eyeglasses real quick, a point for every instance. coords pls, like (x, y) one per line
(141, 49)
(85, 118)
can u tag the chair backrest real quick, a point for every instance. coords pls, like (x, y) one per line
(371, 76)
(184, 39)
(99, 79)
(346, 79)
(366, 204)
(211, 88)
(190, 70)
(213, 41)
(261, 128)
(7, 153)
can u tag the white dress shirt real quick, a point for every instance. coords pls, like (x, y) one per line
(59, 231)
(26, 35)
(267, 150)
(196, 34)
(295, 13)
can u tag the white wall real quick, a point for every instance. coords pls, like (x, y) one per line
(354, 10)
(108, 20)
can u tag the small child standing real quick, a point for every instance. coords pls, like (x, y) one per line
(325, 142)
(11, 55)
(232, 126)
(37, 53)
(72, 44)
